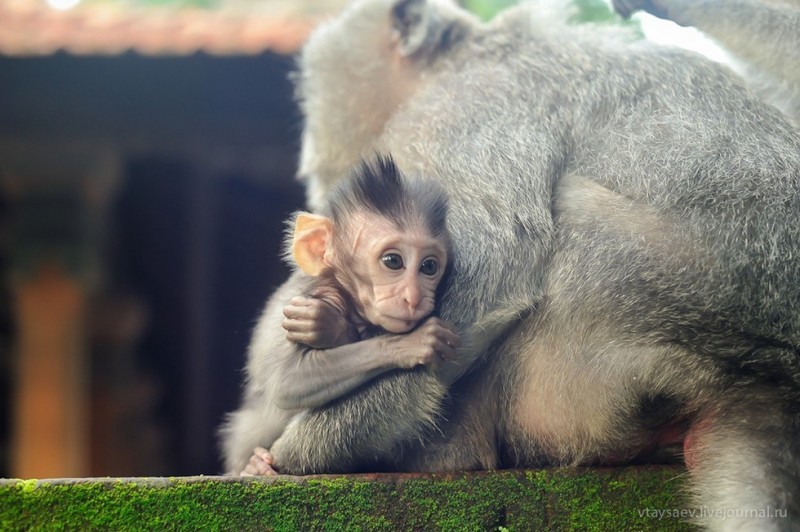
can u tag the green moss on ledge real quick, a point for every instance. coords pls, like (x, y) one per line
(549, 499)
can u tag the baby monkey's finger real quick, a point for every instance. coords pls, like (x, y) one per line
(304, 338)
(445, 350)
(297, 325)
(451, 340)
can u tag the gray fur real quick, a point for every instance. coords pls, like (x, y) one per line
(762, 35)
(259, 421)
(670, 270)
(378, 187)
(322, 440)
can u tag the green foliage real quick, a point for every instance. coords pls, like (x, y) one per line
(593, 11)
(597, 11)
(585, 10)
(486, 9)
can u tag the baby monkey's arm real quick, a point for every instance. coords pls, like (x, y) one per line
(314, 377)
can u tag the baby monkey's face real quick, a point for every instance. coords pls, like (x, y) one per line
(396, 272)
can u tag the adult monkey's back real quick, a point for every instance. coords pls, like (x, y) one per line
(605, 315)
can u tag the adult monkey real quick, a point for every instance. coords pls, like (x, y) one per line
(764, 35)
(657, 300)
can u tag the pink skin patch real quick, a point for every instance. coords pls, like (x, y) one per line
(669, 435)
(691, 443)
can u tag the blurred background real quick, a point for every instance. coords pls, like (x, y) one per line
(148, 150)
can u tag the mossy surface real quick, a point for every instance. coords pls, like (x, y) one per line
(549, 499)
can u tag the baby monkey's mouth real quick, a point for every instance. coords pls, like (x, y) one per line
(398, 325)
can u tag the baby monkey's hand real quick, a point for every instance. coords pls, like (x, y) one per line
(430, 344)
(317, 323)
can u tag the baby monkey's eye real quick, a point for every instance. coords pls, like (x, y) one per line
(429, 267)
(393, 261)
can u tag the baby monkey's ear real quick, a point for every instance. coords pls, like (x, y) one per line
(312, 236)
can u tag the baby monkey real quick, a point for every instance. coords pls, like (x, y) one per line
(367, 271)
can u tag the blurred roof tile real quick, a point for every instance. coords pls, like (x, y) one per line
(31, 27)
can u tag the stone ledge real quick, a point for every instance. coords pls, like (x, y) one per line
(546, 499)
